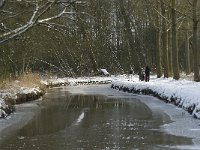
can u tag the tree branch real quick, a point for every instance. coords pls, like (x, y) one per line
(54, 17)
(13, 33)
(35, 18)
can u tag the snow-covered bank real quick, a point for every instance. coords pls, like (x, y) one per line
(20, 94)
(183, 93)
(23, 88)
(8, 98)
(53, 82)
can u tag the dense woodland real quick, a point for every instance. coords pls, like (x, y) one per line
(78, 37)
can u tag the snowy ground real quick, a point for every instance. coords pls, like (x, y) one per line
(183, 93)
(76, 81)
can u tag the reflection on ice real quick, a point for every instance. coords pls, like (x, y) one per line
(80, 118)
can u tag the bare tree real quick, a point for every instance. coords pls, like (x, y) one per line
(165, 40)
(174, 42)
(77, 37)
(187, 49)
(129, 34)
(194, 41)
(158, 39)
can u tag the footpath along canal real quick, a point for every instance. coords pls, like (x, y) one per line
(93, 117)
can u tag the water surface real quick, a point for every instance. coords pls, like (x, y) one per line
(75, 121)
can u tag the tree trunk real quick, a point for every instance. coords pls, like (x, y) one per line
(165, 41)
(194, 42)
(158, 53)
(170, 47)
(174, 43)
(170, 52)
(187, 52)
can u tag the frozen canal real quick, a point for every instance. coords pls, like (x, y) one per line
(96, 117)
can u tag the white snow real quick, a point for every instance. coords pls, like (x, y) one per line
(76, 81)
(104, 71)
(186, 93)
(13, 93)
(3, 106)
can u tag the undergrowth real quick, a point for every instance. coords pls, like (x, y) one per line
(29, 79)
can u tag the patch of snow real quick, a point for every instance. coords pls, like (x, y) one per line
(76, 81)
(105, 72)
(3, 106)
(12, 94)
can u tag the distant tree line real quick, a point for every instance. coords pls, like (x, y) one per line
(78, 37)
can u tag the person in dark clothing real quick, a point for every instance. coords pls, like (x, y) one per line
(147, 73)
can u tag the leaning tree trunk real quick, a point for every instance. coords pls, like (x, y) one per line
(194, 42)
(174, 43)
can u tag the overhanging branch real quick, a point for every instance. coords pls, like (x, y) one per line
(34, 20)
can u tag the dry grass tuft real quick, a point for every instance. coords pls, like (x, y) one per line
(30, 80)
(5, 84)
